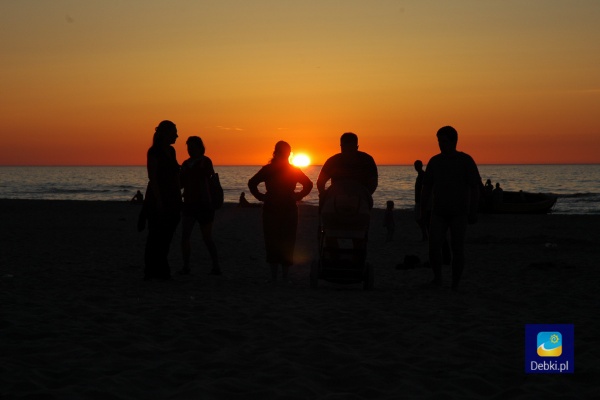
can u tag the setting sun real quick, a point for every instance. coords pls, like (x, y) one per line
(301, 160)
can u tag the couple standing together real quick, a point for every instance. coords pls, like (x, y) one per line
(451, 184)
(163, 205)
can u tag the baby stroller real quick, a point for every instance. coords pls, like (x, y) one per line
(343, 235)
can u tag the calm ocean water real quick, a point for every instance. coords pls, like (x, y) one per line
(578, 186)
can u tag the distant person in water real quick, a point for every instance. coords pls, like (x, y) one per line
(163, 201)
(422, 222)
(452, 183)
(388, 220)
(280, 212)
(197, 203)
(349, 164)
(138, 198)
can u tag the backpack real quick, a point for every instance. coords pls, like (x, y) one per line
(216, 191)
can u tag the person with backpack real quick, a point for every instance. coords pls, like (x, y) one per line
(198, 204)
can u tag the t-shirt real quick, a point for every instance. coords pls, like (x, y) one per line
(451, 177)
(280, 182)
(194, 180)
(357, 166)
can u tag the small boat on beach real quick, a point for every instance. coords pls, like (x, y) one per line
(524, 203)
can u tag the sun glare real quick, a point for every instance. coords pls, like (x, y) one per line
(301, 160)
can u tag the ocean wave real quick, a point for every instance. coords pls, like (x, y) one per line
(590, 196)
(572, 184)
(76, 191)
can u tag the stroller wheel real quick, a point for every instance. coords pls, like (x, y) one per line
(314, 275)
(369, 281)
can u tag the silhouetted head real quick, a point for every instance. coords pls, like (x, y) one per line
(195, 146)
(282, 152)
(418, 165)
(165, 134)
(447, 139)
(389, 204)
(349, 142)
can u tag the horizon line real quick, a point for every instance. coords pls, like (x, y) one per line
(260, 165)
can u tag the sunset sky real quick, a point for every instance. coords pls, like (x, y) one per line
(86, 82)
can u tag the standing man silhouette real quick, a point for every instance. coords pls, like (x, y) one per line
(350, 164)
(451, 183)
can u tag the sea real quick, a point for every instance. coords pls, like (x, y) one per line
(577, 186)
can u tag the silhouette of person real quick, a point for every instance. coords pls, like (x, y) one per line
(497, 194)
(163, 201)
(243, 202)
(452, 182)
(423, 223)
(350, 164)
(423, 213)
(138, 198)
(388, 220)
(280, 211)
(197, 204)
(488, 187)
(488, 190)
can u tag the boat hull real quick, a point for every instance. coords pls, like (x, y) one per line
(524, 203)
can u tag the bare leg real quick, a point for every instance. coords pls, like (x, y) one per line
(186, 248)
(212, 248)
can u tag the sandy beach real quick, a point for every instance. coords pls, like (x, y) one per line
(78, 322)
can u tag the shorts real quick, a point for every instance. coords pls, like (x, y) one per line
(201, 213)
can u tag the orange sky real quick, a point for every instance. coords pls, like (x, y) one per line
(85, 83)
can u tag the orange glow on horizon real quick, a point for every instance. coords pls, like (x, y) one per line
(301, 160)
(519, 83)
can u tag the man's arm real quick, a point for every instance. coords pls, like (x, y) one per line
(323, 177)
(475, 189)
(373, 177)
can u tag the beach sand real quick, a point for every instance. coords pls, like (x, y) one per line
(78, 322)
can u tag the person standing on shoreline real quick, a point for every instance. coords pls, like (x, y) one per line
(280, 211)
(197, 203)
(452, 183)
(162, 204)
(423, 223)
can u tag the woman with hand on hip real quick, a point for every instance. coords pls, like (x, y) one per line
(280, 212)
